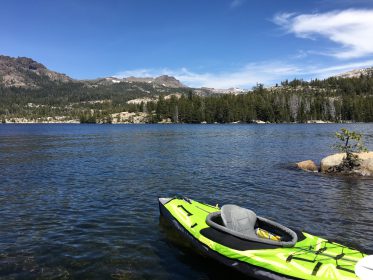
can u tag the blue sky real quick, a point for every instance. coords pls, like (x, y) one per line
(214, 43)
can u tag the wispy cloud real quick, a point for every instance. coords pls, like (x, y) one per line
(351, 29)
(244, 77)
(145, 72)
(237, 3)
(267, 73)
(328, 71)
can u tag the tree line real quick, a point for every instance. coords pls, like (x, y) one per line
(265, 105)
(333, 99)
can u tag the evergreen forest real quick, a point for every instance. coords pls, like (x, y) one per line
(333, 99)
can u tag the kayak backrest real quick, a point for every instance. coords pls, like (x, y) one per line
(239, 219)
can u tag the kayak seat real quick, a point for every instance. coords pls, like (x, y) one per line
(243, 223)
(239, 219)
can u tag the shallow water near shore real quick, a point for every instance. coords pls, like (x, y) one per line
(80, 201)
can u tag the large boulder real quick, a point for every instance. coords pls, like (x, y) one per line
(329, 163)
(307, 165)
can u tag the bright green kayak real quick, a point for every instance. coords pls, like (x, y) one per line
(233, 236)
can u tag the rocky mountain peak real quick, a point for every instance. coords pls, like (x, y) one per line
(26, 72)
(29, 63)
(168, 81)
(23, 63)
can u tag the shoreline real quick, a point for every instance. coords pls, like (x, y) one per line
(170, 123)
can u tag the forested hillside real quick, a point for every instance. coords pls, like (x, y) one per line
(74, 98)
(30, 91)
(333, 100)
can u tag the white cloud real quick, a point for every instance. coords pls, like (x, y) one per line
(324, 72)
(351, 29)
(244, 77)
(267, 73)
(136, 73)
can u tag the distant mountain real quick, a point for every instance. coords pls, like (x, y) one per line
(168, 81)
(161, 81)
(23, 72)
(26, 73)
(356, 73)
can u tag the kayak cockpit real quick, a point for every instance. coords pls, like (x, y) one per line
(245, 224)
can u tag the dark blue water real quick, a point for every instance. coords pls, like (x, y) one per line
(80, 201)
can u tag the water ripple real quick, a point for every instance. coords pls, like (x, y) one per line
(80, 201)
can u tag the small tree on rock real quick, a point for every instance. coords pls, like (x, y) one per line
(350, 142)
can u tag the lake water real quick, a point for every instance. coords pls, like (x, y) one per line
(80, 201)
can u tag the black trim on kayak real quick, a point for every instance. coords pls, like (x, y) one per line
(232, 241)
(237, 243)
(300, 234)
(345, 269)
(292, 257)
(316, 268)
(321, 250)
(340, 256)
(243, 267)
(185, 210)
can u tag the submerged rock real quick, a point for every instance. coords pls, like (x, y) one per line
(364, 167)
(307, 165)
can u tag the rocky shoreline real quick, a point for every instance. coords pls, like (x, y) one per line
(329, 164)
(129, 118)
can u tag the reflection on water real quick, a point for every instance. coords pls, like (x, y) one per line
(80, 201)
